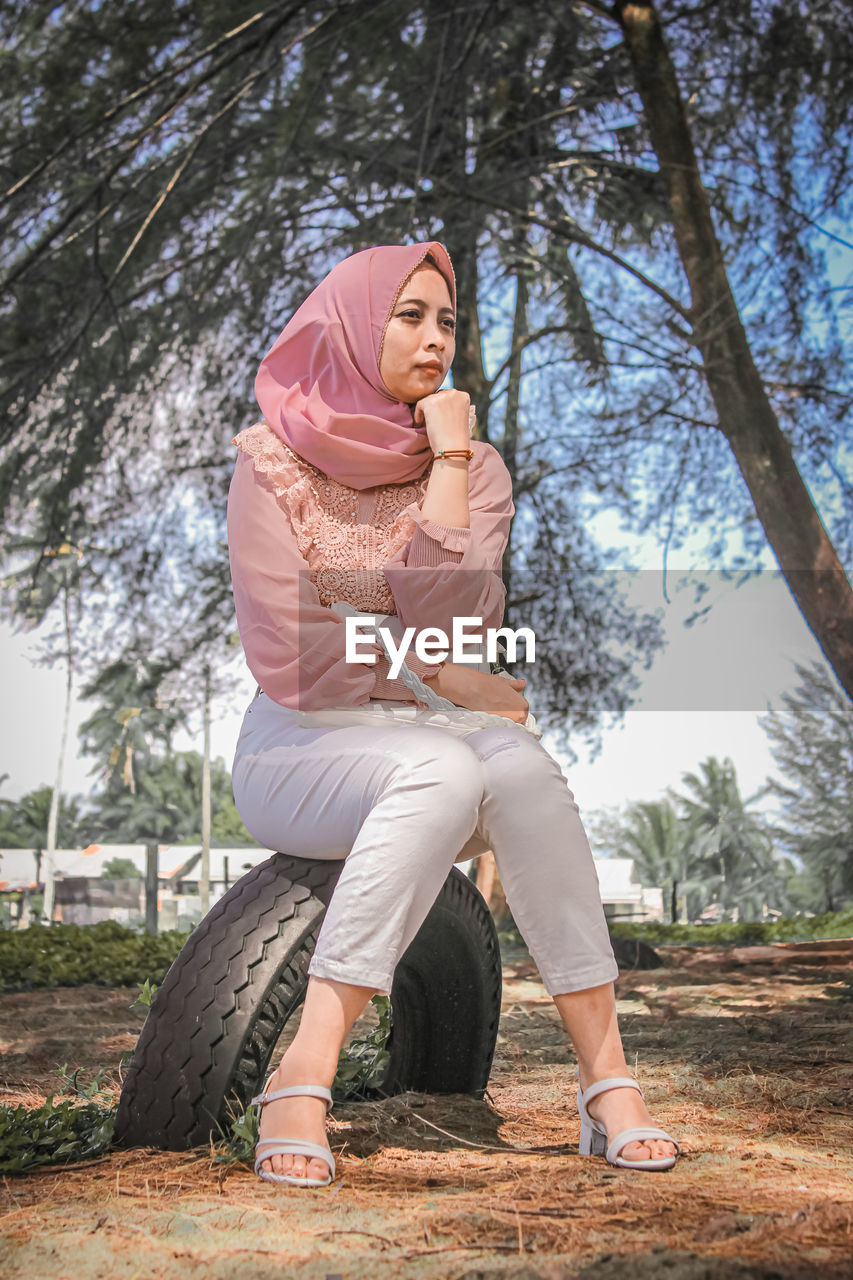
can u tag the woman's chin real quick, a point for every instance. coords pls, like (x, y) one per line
(422, 387)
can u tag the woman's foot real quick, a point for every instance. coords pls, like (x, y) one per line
(302, 1118)
(624, 1108)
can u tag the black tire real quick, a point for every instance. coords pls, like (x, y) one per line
(446, 998)
(207, 1041)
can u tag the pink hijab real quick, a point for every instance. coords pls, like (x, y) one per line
(319, 386)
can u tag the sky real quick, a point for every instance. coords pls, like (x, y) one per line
(702, 696)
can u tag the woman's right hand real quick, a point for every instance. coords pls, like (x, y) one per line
(480, 691)
(447, 418)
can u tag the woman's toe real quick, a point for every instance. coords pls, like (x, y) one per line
(651, 1149)
(661, 1149)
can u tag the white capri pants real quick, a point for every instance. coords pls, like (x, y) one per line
(401, 803)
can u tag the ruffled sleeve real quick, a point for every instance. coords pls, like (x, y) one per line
(445, 571)
(295, 647)
(434, 543)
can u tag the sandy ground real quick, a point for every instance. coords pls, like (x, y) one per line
(747, 1056)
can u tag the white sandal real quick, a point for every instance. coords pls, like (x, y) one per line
(294, 1146)
(594, 1136)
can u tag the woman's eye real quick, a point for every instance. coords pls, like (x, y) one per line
(410, 315)
(450, 324)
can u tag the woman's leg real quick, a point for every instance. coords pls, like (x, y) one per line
(590, 1019)
(531, 821)
(398, 803)
(329, 1011)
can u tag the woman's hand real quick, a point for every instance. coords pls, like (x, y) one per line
(447, 417)
(481, 691)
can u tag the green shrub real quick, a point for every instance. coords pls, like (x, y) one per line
(362, 1062)
(833, 924)
(57, 1132)
(67, 955)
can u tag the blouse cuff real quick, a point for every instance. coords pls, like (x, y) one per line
(433, 543)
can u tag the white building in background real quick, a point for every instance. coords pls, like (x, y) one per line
(85, 897)
(624, 899)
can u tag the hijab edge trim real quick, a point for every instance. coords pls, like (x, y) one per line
(421, 260)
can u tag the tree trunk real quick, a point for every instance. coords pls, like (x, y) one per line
(204, 880)
(25, 914)
(511, 430)
(488, 883)
(486, 874)
(793, 527)
(56, 794)
(673, 903)
(469, 373)
(152, 887)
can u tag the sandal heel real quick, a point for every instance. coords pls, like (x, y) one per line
(592, 1143)
(593, 1139)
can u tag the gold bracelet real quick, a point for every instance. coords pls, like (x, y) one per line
(455, 453)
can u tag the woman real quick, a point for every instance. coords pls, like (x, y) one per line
(362, 487)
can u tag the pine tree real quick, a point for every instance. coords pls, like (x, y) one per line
(180, 175)
(811, 737)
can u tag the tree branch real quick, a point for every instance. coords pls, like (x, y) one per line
(148, 88)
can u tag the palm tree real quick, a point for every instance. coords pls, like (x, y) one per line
(738, 852)
(166, 804)
(24, 823)
(664, 850)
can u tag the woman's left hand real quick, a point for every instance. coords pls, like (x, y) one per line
(447, 416)
(482, 691)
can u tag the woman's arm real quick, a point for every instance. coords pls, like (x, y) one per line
(449, 420)
(295, 647)
(447, 571)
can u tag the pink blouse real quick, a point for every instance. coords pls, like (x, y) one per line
(299, 541)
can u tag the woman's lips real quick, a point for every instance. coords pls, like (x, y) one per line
(433, 367)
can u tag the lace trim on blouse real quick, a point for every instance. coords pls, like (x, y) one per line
(345, 535)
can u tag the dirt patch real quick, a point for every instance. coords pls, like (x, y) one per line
(748, 1062)
(88, 1027)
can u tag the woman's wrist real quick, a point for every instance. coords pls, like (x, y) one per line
(449, 681)
(454, 455)
(446, 498)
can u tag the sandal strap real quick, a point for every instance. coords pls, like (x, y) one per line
(293, 1147)
(295, 1091)
(601, 1086)
(611, 1082)
(639, 1135)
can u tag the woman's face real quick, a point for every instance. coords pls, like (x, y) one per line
(420, 338)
